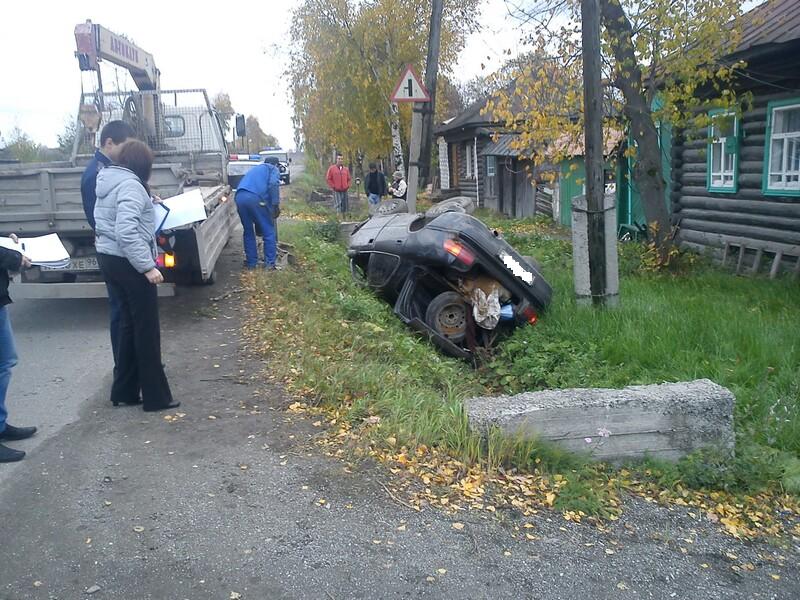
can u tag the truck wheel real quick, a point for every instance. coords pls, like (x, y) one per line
(447, 315)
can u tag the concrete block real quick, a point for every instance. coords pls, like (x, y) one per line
(665, 421)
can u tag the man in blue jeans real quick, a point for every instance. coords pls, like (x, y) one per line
(10, 260)
(112, 136)
(258, 201)
(375, 187)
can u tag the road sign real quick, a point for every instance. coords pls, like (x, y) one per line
(410, 88)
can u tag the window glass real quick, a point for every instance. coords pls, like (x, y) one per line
(784, 149)
(174, 126)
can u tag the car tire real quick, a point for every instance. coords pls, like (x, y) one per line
(392, 206)
(447, 315)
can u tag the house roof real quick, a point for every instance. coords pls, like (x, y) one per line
(502, 146)
(774, 22)
(469, 117)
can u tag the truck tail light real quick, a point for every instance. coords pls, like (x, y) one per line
(166, 260)
(461, 252)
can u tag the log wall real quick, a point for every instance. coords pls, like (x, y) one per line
(710, 220)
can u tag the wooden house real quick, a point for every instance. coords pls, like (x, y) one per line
(736, 188)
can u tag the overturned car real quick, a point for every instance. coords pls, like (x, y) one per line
(449, 276)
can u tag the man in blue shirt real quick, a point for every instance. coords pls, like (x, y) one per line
(258, 202)
(112, 136)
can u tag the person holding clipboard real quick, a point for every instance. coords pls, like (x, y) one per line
(126, 251)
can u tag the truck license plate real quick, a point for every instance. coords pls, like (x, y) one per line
(81, 263)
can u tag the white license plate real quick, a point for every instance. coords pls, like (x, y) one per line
(81, 263)
(513, 265)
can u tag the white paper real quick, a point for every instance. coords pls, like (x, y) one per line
(45, 250)
(184, 209)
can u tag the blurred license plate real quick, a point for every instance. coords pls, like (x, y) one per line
(81, 263)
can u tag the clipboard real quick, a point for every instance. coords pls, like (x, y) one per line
(161, 212)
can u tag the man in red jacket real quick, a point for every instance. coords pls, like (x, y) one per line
(338, 178)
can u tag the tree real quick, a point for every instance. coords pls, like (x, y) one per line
(661, 65)
(449, 101)
(222, 104)
(256, 138)
(22, 147)
(66, 139)
(346, 57)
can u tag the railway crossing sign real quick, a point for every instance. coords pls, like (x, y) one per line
(410, 88)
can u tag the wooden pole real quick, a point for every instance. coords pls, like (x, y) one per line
(413, 156)
(593, 133)
(431, 75)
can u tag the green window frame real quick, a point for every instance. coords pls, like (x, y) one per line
(782, 149)
(722, 170)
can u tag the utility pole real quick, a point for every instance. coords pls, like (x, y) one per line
(431, 74)
(593, 155)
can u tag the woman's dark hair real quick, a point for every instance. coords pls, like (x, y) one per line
(137, 156)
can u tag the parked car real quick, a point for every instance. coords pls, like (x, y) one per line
(448, 276)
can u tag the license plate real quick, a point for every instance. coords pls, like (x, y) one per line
(513, 265)
(81, 263)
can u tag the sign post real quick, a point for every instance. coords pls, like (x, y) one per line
(411, 89)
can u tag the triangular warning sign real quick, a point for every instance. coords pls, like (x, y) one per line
(410, 88)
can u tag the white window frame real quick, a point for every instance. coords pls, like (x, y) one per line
(723, 179)
(468, 153)
(789, 178)
(491, 175)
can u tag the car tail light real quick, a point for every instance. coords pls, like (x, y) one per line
(462, 253)
(530, 315)
(169, 260)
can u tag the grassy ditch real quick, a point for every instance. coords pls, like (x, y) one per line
(392, 396)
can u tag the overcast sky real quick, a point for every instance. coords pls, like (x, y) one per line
(236, 48)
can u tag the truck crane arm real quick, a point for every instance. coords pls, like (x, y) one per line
(96, 43)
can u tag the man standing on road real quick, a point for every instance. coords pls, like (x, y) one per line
(375, 186)
(113, 135)
(10, 260)
(338, 178)
(258, 200)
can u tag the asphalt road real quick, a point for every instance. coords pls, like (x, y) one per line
(64, 359)
(229, 499)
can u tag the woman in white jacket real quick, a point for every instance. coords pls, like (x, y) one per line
(126, 251)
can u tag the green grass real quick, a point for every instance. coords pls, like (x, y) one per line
(742, 333)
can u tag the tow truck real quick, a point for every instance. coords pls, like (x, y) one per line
(190, 152)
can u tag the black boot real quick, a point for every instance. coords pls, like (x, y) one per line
(10, 455)
(17, 433)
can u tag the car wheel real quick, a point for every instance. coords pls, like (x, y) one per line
(460, 204)
(447, 315)
(392, 207)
